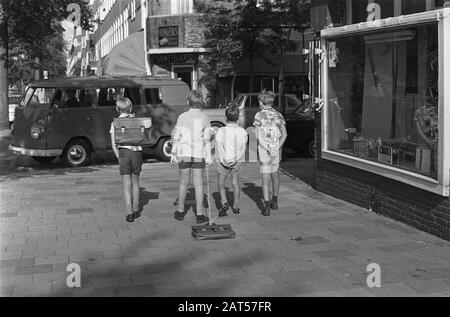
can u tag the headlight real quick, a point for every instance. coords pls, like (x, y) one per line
(35, 133)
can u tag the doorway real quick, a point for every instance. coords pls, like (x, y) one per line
(184, 73)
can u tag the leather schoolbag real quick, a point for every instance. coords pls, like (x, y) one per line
(132, 131)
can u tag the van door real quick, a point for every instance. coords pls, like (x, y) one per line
(72, 116)
(32, 115)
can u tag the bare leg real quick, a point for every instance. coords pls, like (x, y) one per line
(236, 191)
(136, 192)
(127, 193)
(182, 189)
(198, 183)
(266, 186)
(223, 193)
(276, 183)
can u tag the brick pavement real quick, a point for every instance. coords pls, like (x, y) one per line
(315, 245)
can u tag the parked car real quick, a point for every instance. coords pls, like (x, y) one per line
(13, 102)
(299, 120)
(70, 118)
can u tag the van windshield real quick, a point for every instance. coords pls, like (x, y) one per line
(27, 97)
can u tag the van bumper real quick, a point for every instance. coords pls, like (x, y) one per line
(27, 152)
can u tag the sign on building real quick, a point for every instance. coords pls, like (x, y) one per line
(168, 36)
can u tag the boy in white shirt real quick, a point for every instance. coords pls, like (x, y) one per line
(231, 146)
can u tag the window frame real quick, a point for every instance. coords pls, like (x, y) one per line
(439, 186)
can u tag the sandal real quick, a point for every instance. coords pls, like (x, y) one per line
(223, 210)
(137, 214)
(179, 215)
(130, 218)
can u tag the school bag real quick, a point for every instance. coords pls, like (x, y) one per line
(132, 131)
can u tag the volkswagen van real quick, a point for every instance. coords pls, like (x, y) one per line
(71, 117)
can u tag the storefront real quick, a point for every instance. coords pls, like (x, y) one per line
(384, 111)
(175, 47)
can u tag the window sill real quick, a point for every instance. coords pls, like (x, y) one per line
(410, 178)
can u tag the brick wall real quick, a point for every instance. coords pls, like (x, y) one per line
(418, 208)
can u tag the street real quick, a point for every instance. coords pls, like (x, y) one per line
(315, 245)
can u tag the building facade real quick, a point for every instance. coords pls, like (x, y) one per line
(381, 90)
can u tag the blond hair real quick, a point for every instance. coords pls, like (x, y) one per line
(124, 105)
(195, 99)
(266, 98)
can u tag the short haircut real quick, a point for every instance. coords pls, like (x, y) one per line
(195, 99)
(124, 104)
(266, 98)
(232, 114)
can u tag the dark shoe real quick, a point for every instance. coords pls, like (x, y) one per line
(202, 219)
(130, 218)
(266, 211)
(223, 211)
(137, 214)
(274, 203)
(179, 216)
(236, 211)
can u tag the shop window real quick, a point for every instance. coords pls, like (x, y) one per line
(383, 98)
(152, 96)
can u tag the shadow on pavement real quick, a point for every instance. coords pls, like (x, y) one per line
(255, 193)
(143, 278)
(145, 197)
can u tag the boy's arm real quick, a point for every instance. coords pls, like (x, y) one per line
(283, 135)
(113, 142)
(207, 142)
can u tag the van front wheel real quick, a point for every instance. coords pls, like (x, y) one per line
(77, 153)
(163, 149)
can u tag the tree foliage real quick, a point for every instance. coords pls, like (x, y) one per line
(249, 29)
(27, 27)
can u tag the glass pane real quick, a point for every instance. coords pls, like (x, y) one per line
(383, 97)
(42, 96)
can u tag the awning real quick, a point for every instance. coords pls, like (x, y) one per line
(127, 57)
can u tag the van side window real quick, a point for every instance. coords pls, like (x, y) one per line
(132, 93)
(107, 97)
(88, 98)
(71, 98)
(152, 96)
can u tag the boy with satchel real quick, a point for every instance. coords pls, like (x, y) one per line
(127, 136)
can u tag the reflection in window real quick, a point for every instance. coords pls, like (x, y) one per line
(383, 98)
(41, 96)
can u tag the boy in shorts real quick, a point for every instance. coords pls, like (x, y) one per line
(231, 145)
(271, 133)
(130, 162)
(191, 150)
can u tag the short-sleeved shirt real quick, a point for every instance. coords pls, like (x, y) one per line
(189, 134)
(230, 140)
(271, 122)
(128, 147)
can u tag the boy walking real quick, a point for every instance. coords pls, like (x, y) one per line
(191, 150)
(231, 145)
(130, 162)
(271, 133)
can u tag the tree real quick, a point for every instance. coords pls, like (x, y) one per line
(22, 66)
(30, 24)
(250, 29)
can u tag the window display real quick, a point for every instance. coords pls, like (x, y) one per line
(383, 97)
